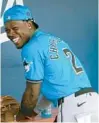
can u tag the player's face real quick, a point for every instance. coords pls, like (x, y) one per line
(18, 32)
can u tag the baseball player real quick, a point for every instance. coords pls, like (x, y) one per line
(51, 68)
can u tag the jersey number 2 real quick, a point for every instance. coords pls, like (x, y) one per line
(68, 53)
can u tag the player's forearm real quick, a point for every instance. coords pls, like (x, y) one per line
(27, 106)
(30, 98)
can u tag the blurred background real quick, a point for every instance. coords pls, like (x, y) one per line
(74, 21)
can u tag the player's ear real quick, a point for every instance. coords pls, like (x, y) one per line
(29, 24)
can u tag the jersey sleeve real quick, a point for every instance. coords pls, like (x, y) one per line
(33, 64)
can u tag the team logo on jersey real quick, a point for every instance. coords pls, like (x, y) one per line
(27, 65)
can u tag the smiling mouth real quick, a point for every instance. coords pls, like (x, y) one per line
(16, 40)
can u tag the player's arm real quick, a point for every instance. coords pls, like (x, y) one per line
(34, 74)
(29, 100)
(30, 97)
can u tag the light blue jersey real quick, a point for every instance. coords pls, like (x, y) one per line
(48, 58)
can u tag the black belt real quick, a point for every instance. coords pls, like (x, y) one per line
(83, 91)
(78, 93)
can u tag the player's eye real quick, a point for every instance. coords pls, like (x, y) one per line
(7, 30)
(15, 28)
